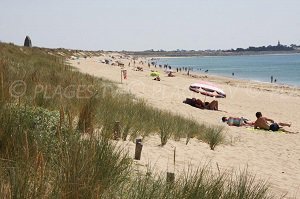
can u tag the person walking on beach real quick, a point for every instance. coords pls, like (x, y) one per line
(263, 123)
(272, 79)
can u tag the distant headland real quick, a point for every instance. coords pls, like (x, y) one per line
(251, 50)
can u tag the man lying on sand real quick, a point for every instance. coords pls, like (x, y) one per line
(237, 121)
(199, 104)
(262, 123)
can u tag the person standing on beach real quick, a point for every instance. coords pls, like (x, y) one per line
(272, 79)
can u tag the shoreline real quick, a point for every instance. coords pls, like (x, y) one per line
(295, 90)
(225, 75)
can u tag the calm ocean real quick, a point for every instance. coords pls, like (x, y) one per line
(284, 68)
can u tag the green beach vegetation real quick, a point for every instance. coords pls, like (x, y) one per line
(46, 107)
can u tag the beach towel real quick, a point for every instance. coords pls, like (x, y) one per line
(264, 131)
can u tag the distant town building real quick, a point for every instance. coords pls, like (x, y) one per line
(27, 42)
(279, 44)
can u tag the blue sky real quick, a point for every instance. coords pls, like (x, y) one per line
(150, 24)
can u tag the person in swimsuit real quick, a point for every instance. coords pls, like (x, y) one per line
(263, 123)
(237, 121)
(157, 78)
(202, 105)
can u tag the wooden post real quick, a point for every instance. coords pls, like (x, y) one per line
(170, 177)
(187, 139)
(218, 168)
(117, 130)
(174, 157)
(121, 77)
(138, 149)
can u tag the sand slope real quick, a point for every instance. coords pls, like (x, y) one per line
(271, 156)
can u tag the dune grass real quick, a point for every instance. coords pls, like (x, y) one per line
(199, 183)
(43, 153)
(36, 163)
(49, 83)
(214, 136)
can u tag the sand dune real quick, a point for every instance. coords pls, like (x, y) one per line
(271, 156)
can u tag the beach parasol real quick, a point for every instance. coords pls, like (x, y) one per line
(154, 74)
(207, 89)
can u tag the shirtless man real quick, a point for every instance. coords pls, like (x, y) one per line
(262, 123)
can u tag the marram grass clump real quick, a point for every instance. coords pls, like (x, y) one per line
(214, 136)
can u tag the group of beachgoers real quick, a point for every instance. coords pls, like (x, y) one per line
(170, 74)
(213, 105)
(261, 122)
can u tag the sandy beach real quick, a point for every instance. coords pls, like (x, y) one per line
(271, 156)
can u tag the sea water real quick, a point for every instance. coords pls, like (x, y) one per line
(284, 68)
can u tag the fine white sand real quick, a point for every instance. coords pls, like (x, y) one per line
(271, 156)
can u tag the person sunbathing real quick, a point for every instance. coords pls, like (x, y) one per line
(263, 123)
(237, 121)
(199, 104)
(157, 78)
(139, 68)
(170, 74)
(213, 105)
